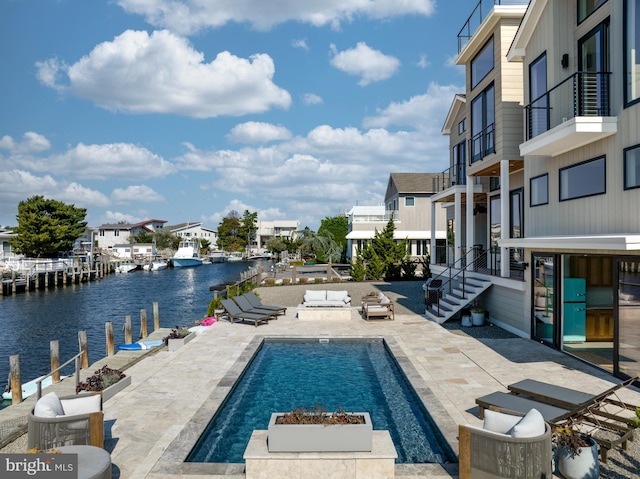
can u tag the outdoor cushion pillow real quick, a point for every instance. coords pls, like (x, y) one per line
(336, 295)
(385, 300)
(499, 422)
(313, 295)
(83, 404)
(531, 425)
(48, 405)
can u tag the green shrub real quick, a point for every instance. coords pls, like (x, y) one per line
(304, 280)
(270, 282)
(318, 280)
(286, 281)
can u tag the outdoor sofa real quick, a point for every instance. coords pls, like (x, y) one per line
(326, 299)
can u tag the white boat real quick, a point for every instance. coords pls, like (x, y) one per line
(188, 255)
(157, 265)
(126, 268)
(235, 257)
(218, 257)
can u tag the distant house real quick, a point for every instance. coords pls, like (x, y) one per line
(194, 230)
(274, 229)
(110, 235)
(5, 246)
(408, 201)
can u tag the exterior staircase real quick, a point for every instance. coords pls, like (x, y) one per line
(458, 288)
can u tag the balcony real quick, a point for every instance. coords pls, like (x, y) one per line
(572, 114)
(483, 143)
(375, 218)
(479, 14)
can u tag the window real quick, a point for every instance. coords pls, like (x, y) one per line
(539, 190)
(538, 113)
(517, 213)
(409, 201)
(632, 167)
(584, 179)
(495, 219)
(422, 248)
(101, 232)
(587, 7)
(494, 183)
(462, 126)
(459, 166)
(632, 52)
(482, 64)
(593, 63)
(116, 232)
(482, 124)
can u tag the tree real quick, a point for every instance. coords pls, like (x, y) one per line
(336, 227)
(322, 246)
(228, 232)
(143, 237)
(204, 246)
(46, 227)
(248, 227)
(276, 245)
(165, 239)
(388, 251)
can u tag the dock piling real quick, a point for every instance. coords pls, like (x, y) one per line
(128, 336)
(143, 323)
(108, 329)
(84, 348)
(16, 379)
(54, 348)
(156, 316)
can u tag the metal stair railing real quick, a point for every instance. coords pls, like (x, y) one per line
(448, 277)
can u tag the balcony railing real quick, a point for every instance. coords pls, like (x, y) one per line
(480, 12)
(581, 94)
(483, 143)
(375, 218)
(454, 175)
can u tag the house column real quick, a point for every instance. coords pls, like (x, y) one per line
(457, 225)
(504, 217)
(432, 245)
(469, 217)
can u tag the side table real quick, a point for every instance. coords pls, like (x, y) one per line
(93, 462)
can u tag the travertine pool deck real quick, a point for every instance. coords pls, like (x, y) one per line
(150, 425)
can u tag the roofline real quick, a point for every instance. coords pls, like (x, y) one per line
(458, 98)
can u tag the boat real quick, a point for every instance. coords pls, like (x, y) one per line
(188, 255)
(234, 257)
(126, 268)
(141, 345)
(157, 265)
(218, 257)
(30, 388)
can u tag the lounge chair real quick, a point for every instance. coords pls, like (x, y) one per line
(234, 312)
(246, 307)
(256, 303)
(558, 405)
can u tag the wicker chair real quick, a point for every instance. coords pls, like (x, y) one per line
(486, 454)
(66, 421)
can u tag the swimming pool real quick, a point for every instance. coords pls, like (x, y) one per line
(357, 375)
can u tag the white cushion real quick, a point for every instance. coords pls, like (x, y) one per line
(83, 404)
(531, 425)
(313, 295)
(347, 299)
(336, 295)
(385, 300)
(48, 405)
(499, 422)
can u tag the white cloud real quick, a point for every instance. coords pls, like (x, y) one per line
(190, 16)
(311, 99)
(258, 132)
(162, 73)
(113, 217)
(301, 43)
(136, 194)
(32, 143)
(369, 64)
(423, 62)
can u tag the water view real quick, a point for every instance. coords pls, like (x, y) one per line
(31, 320)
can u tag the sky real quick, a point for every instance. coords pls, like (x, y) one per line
(184, 110)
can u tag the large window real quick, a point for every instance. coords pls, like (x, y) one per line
(632, 167)
(593, 62)
(517, 214)
(539, 190)
(495, 215)
(483, 124)
(459, 166)
(482, 64)
(583, 179)
(538, 120)
(632, 51)
(587, 7)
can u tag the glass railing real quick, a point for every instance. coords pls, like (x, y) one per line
(480, 12)
(581, 94)
(483, 143)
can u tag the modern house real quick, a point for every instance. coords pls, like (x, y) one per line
(546, 141)
(408, 201)
(110, 235)
(273, 229)
(194, 230)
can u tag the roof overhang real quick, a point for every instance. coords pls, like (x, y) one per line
(614, 242)
(518, 48)
(457, 104)
(398, 234)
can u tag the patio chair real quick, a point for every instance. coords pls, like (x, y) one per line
(522, 444)
(65, 421)
(256, 303)
(234, 312)
(246, 306)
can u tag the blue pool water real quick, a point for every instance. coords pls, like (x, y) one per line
(356, 375)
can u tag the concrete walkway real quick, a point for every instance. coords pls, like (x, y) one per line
(150, 425)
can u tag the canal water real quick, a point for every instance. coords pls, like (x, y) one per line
(31, 320)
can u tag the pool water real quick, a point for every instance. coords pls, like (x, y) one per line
(355, 375)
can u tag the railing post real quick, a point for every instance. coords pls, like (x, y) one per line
(15, 379)
(143, 323)
(108, 329)
(84, 348)
(54, 348)
(128, 336)
(156, 316)
(77, 371)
